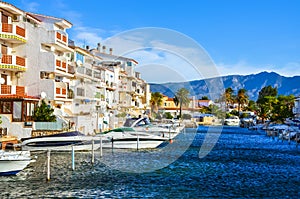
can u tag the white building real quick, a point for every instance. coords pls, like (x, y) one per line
(296, 109)
(85, 87)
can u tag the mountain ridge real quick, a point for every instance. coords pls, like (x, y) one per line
(253, 83)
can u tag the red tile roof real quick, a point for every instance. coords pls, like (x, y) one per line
(14, 96)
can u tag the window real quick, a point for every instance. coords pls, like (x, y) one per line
(6, 107)
(17, 113)
(79, 57)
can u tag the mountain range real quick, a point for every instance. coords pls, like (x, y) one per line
(252, 83)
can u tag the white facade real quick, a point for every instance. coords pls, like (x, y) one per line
(87, 87)
(296, 109)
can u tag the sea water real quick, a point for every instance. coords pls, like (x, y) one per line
(242, 164)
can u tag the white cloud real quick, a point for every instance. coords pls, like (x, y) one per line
(157, 46)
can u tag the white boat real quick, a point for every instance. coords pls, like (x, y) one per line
(61, 142)
(12, 162)
(143, 124)
(232, 121)
(128, 138)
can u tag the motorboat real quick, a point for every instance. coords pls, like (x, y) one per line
(170, 129)
(232, 121)
(60, 142)
(12, 162)
(129, 138)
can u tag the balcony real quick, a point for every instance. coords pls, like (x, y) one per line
(58, 40)
(111, 86)
(61, 38)
(13, 63)
(61, 90)
(61, 65)
(85, 72)
(13, 33)
(12, 90)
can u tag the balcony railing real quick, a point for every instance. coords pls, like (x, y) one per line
(13, 32)
(13, 62)
(61, 37)
(61, 65)
(12, 89)
(61, 90)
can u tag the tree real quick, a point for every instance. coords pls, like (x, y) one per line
(242, 98)
(168, 115)
(204, 98)
(43, 113)
(282, 108)
(181, 98)
(265, 108)
(156, 101)
(228, 97)
(266, 91)
(251, 106)
(266, 97)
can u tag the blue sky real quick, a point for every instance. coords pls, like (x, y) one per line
(239, 36)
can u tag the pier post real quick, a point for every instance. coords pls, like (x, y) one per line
(73, 158)
(93, 152)
(112, 144)
(48, 165)
(100, 146)
(137, 141)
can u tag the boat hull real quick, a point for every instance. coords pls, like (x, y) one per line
(132, 144)
(131, 140)
(12, 162)
(60, 143)
(12, 167)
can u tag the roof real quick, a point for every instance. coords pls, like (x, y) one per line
(13, 9)
(115, 57)
(58, 21)
(15, 96)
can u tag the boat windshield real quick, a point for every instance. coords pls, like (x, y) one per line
(139, 122)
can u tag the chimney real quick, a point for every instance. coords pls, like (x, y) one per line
(110, 51)
(99, 47)
(87, 47)
(104, 48)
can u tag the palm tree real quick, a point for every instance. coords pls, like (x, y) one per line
(242, 98)
(229, 98)
(156, 101)
(181, 98)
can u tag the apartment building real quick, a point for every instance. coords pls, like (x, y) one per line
(16, 102)
(86, 87)
(133, 93)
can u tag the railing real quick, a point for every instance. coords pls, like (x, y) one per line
(12, 89)
(61, 90)
(49, 125)
(13, 29)
(61, 65)
(61, 37)
(13, 60)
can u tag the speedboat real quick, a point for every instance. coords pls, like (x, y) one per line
(232, 121)
(128, 138)
(162, 129)
(60, 142)
(12, 162)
